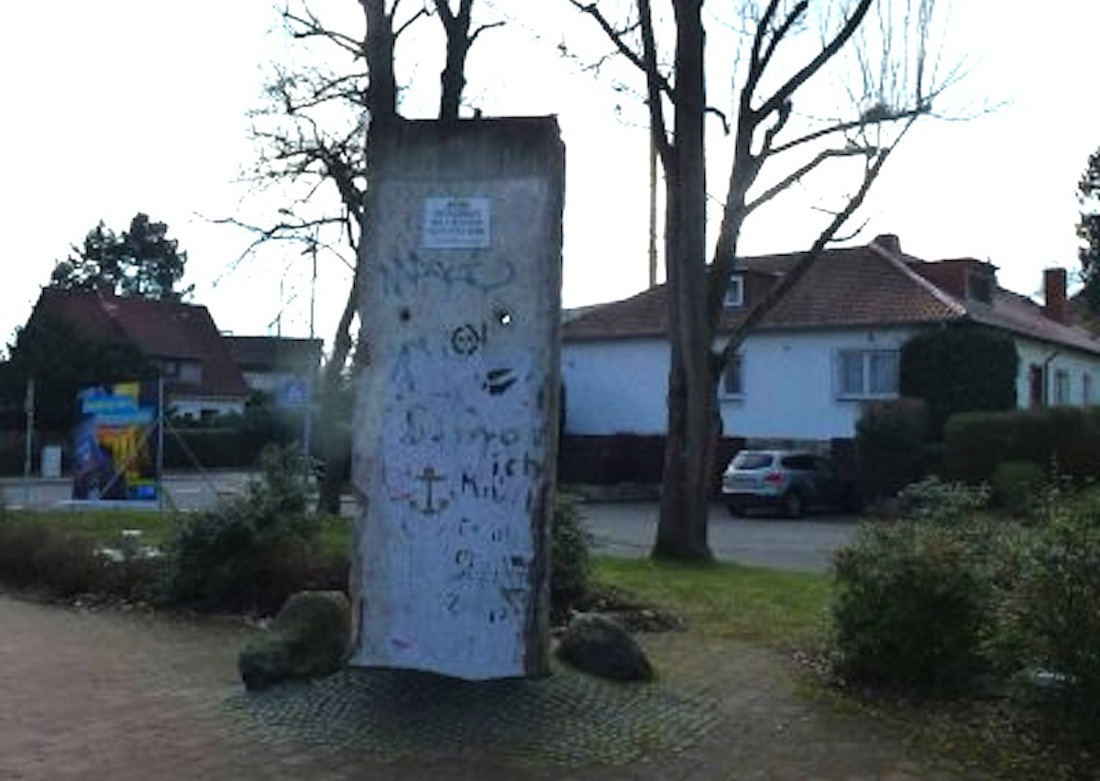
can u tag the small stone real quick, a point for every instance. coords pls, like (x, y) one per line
(596, 645)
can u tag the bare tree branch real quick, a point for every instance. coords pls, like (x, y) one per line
(803, 170)
(842, 127)
(409, 22)
(311, 27)
(780, 289)
(655, 86)
(640, 61)
(781, 32)
(854, 20)
(484, 28)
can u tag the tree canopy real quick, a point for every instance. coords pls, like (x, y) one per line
(141, 261)
(62, 362)
(1088, 232)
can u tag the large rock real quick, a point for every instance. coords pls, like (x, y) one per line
(309, 638)
(596, 645)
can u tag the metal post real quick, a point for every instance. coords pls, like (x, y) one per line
(28, 448)
(307, 416)
(160, 442)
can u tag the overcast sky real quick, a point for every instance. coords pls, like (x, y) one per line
(120, 106)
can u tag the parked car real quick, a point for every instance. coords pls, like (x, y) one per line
(790, 481)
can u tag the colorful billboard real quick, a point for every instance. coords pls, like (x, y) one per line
(115, 444)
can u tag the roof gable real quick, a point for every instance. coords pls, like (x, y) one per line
(162, 330)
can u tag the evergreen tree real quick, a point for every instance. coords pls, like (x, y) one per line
(1088, 231)
(142, 261)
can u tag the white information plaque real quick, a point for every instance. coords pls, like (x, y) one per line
(456, 223)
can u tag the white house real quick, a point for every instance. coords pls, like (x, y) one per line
(830, 345)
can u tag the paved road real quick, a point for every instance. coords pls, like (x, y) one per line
(620, 528)
(191, 491)
(628, 529)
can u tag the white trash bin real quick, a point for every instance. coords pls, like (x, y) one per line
(51, 461)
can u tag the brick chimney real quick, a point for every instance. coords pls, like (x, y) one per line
(1054, 294)
(889, 242)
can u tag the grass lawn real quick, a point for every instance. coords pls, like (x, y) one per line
(105, 525)
(769, 606)
(727, 600)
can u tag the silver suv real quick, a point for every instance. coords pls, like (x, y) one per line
(789, 481)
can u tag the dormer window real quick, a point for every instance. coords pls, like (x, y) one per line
(735, 292)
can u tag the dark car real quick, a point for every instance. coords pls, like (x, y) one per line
(789, 481)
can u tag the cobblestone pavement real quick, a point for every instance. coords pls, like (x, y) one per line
(108, 695)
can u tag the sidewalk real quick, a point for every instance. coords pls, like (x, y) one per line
(109, 695)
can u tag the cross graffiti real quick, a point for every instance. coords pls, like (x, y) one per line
(429, 477)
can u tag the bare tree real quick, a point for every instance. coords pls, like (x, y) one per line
(895, 85)
(313, 137)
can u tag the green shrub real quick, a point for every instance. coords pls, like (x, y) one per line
(69, 565)
(909, 608)
(570, 555)
(20, 541)
(1018, 487)
(1064, 441)
(1051, 618)
(250, 552)
(963, 368)
(135, 579)
(890, 438)
(933, 500)
(36, 556)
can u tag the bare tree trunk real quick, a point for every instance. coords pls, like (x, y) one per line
(453, 78)
(381, 105)
(692, 421)
(378, 50)
(334, 445)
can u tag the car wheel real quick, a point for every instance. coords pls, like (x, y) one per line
(793, 506)
(735, 509)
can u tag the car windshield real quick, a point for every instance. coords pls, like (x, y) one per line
(752, 460)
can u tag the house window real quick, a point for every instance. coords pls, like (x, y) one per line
(732, 377)
(1061, 388)
(735, 292)
(1035, 383)
(1086, 390)
(867, 373)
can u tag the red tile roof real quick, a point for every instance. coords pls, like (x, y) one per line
(861, 286)
(857, 287)
(162, 330)
(646, 314)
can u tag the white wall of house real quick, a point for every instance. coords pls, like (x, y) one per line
(200, 408)
(790, 381)
(615, 386)
(791, 385)
(268, 381)
(1070, 377)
